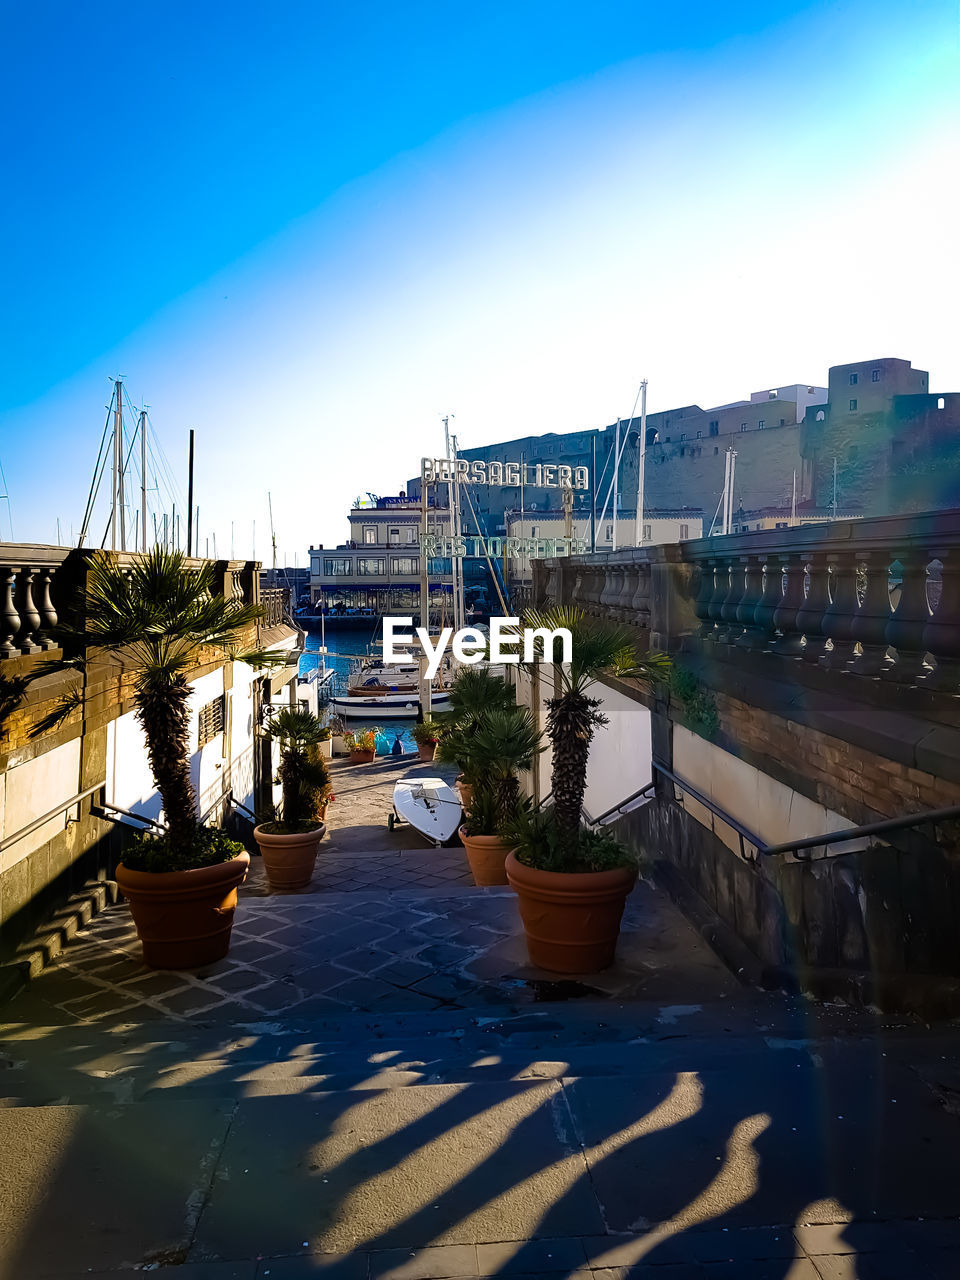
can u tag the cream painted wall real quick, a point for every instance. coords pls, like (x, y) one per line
(620, 755)
(129, 781)
(31, 789)
(771, 810)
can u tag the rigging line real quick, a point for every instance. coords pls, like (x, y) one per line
(626, 433)
(97, 473)
(163, 464)
(6, 495)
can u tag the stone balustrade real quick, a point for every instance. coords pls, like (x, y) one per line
(877, 598)
(31, 592)
(276, 605)
(39, 587)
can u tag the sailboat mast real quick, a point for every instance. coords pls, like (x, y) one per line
(143, 481)
(117, 462)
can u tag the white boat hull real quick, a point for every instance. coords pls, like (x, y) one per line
(430, 806)
(387, 706)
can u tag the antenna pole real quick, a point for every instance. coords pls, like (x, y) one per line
(143, 481)
(834, 487)
(273, 537)
(190, 499)
(616, 483)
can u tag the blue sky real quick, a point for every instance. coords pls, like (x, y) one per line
(308, 230)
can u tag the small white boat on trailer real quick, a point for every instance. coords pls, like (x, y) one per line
(429, 805)
(386, 706)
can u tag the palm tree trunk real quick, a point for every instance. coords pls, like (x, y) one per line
(163, 712)
(571, 721)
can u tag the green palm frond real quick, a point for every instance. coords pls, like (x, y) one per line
(296, 727)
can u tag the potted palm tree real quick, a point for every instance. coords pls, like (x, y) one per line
(571, 882)
(505, 742)
(474, 693)
(159, 618)
(426, 735)
(289, 843)
(361, 746)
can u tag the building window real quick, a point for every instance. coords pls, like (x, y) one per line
(941, 402)
(404, 564)
(854, 379)
(683, 436)
(716, 450)
(821, 416)
(394, 536)
(715, 427)
(211, 723)
(437, 568)
(875, 376)
(647, 531)
(743, 426)
(853, 405)
(410, 534)
(369, 535)
(684, 532)
(608, 537)
(336, 568)
(783, 422)
(699, 435)
(370, 568)
(761, 424)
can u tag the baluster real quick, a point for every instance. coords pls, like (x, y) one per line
(764, 628)
(708, 573)
(730, 629)
(48, 614)
(941, 635)
(810, 614)
(640, 605)
(10, 617)
(752, 637)
(910, 618)
(790, 642)
(29, 617)
(869, 627)
(611, 591)
(839, 615)
(720, 590)
(631, 576)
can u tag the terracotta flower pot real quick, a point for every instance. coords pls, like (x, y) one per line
(465, 791)
(184, 918)
(426, 750)
(571, 919)
(289, 859)
(486, 855)
(362, 757)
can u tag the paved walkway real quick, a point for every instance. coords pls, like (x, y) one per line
(376, 1083)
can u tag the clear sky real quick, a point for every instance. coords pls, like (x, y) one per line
(309, 229)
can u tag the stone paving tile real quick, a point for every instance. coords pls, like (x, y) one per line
(435, 1262)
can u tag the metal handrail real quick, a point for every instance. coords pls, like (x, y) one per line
(38, 822)
(743, 832)
(902, 823)
(127, 813)
(868, 829)
(595, 822)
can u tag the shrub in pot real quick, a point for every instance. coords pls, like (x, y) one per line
(504, 744)
(361, 746)
(159, 619)
(289, 843)
(474, 693)
(572, 883)
(426, 735)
